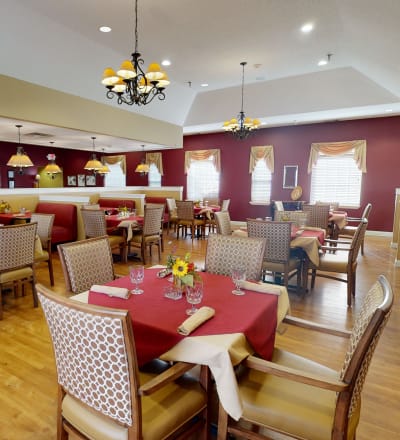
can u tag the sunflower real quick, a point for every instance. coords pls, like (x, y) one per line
(180, 268)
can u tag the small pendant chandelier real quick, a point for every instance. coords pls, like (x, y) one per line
(52, 168)
(20, 160)
(93, 164)
(130, 84)
(242, 126)
(142, 168)
(104, 169)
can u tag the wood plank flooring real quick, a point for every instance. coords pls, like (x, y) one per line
(27, 369)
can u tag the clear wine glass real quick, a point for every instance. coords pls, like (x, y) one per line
(136, 275)
(194, 295)
(238, 275)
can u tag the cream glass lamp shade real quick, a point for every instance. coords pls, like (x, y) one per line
(119, 87)
(93, 164)
(109, 77)
(20, 160)
(154, 72)
(142, 168)
(163, 81)
(126, 70)
(52, 168)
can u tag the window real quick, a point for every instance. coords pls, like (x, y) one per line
(154, 176)
(336, 179)
(261, 183)
(115, 177)
(202, 180)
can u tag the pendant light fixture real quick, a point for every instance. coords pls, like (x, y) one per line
(104, 169)
(130, 84)
(242, 126)
(20, 160)
(142, 168)
(93, 164)
(52, 168)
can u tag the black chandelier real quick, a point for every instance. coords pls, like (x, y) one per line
(242, 126)
(130, 84)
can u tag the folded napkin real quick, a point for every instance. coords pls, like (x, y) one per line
(128, 224)
(190, 324)
(120, 292)
(311, 228)
(273, 289)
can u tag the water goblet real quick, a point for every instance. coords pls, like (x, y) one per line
(194, 295)
(238, 275)
(136, 275)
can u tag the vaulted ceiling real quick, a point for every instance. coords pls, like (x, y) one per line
(57, 44)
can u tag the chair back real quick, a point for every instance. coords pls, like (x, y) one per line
(277, 235)
(298, 218)
(225, 204)
(357, 240)
(184, 210)
(225, 252)
(17, 246)
(94, 222)
(367, 211)
(223, 222)
(318, 215)
(95, 354)
(171, 203)
(211, 201)
(86, 262)
(153, 218)
(367, 329)
(44, 228)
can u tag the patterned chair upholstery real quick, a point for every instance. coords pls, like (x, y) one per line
(300, 398)
(278, 258)
(298, 218)
(94, 222)
(44, 231)
(343, 261)
(172, 215)
(101, 392)
(151, 234)
(223, 222)
(225, 204)
(85, 263)
(186, 219)
(224, 252)
(17, 255)
(318, 215)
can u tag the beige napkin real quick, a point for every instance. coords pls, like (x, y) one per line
(128, 224)
(273, 289)
(38, 246)
(202, 315)
(120, 292)
(311, 228)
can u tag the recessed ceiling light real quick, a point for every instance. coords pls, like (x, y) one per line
(204, 85)
(166, 63)
(307, 27)
(322, 63)
(104, 29)
(389, 110)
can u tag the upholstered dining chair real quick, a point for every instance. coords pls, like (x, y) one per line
(187, 219)
(350, 229)
(86, 262)
(278, 258)
(223, 222)
(94, 223)
(172, 214)
(101, 392)
(225, 252)
(318, 215)
(17, 258)
(151, 233)
(225, 204)
(301, 399)
(44, 228)
(343, 261)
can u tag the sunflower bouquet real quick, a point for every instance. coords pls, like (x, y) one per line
(183, 270)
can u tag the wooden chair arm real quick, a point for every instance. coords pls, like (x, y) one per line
(354, 219)
(334, 248)
(330, 240)
(294, 374)
(298, 322)
(165, 377)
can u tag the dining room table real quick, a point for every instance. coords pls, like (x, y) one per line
(241, 325)
(206, 211)
(127, 223)
(12, 218)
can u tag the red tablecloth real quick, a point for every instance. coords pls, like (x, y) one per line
(8, 218)
(320, 235)
(156, 318)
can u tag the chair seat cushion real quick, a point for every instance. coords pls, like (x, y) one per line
(14, 275)
(41, 256)
(334, 262)
(280, 267)
(171, 406)
(286, 405)
(116, 240)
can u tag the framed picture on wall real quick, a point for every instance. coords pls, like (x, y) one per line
(11, 174)
(91, 180)
(81, 180)
(11, 184)
(71, 180)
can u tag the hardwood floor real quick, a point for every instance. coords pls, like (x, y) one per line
(27, 369)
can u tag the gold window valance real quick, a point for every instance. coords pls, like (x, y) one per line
(203, 155)
(112, 160)
(155, 158)
(265, 153)
(337, 148)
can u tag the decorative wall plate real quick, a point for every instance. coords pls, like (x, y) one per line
(296, 193)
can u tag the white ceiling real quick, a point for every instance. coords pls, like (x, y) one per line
(57, 44)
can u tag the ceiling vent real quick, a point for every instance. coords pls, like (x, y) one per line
(37, 135)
